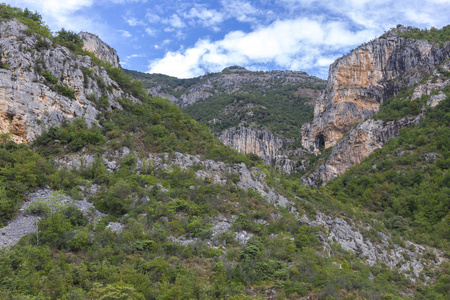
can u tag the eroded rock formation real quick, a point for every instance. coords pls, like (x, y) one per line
(94, 44)
(359, 143)
(359, 82)
(33, 74)
(249, 139)
(265, 144)
(371, 134)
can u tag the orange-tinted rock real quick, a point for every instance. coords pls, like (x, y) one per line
(359, 82)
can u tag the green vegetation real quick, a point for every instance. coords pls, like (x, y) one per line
(20, 170)
(170, 85)
(276, 106)
(71, 256)
(69, 40)
(32, 20)
(439, 36)
(407, 180)
(277, 109)
(400, 105)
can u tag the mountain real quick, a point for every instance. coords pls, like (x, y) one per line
(253, 112)
(107, 192)
(360, 83)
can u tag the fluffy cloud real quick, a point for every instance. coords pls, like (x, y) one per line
(242, 11)
(315, 35)
(59, 14)
(174, 21)
(125, 33)
(285, 34)
(205, 17)
(291, 44)
(132, 21)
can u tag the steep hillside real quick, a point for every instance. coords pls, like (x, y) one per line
(140, 201)
(270, 107)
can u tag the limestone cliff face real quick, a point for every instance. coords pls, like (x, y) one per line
(32, 75)
(359, 143)
(359, 82)
(370, 135)
(94, 44)
(250, 139)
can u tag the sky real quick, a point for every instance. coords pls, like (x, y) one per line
(186, 39)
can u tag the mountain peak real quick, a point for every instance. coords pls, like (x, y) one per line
(100, 49)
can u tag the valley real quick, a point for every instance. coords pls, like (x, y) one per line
(116, 184)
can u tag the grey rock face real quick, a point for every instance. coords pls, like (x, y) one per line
(94, 44)
(268, 146)
(351, 239)
(252, 140)
(29, 102)
(25, 224)
(115, 227)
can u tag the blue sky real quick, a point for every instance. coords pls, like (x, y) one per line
(188, 38)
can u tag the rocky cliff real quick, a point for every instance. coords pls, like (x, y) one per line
(360, 141)
(251, 139)
(359, 82)
(102, 51)
(42, 84)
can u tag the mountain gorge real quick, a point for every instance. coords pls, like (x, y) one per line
(108, 191)
(253, 112)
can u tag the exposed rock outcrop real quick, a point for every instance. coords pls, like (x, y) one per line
(265, 144)
(359, 82)
(359, 143)
(94, 44)
(250, 139)
(392, 255)
(33, 75)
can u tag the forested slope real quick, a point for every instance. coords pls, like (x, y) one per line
(146, 203)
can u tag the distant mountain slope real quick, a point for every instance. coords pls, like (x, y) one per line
(270, 107)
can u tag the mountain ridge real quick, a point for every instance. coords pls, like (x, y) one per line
(145, 203)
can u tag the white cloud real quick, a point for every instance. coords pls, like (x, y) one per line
(127, 1)
(291, 44)
(174, 21)
(150, 31)
(164, 43)
(55, 7)
(136, 55)
(205, 17)
(132, 21)
(125, 33)
(66, 14)
(152, 18)
(243, 11)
